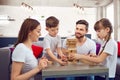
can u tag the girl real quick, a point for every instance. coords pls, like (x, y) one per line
(24, 63)
(108, 52)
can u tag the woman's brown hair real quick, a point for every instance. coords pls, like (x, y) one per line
(27, 26)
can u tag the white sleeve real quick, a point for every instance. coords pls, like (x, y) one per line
(64, 44)
(93, 48)
(59, 42)
(109, 48)
(18, 54)
(46, 43)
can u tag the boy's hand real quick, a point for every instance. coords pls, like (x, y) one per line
(64, 58)
(62, 63)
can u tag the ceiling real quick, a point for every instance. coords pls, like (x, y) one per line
(57, 3)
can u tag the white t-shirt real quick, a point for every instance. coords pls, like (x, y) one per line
(23, 54)
(52, 43)
(111, 60)
(89, 46)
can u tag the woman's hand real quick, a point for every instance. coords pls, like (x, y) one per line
(43, 63)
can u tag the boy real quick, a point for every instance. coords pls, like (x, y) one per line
(52, 41)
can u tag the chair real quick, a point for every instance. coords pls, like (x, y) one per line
(5, 62)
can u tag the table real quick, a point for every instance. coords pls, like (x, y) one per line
(74, 70)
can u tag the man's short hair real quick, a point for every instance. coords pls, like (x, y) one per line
(83, 22)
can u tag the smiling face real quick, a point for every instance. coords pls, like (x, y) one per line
(80, 31)
(34, 34)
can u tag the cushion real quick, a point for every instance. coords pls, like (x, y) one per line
(97, 48)
(118, 48)
(11, 49)
(37, 50)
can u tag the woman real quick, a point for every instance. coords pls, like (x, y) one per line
(24, 63)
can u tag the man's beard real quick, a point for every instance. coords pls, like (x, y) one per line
(79, 37)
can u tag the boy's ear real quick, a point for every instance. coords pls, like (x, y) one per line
(86, 31)
(46, 28)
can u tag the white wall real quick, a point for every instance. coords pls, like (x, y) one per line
(110, 15)
(67, 16)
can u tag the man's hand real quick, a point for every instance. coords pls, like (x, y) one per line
(74, 56)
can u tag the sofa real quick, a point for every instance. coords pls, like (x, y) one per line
(117, 76)
(5, 59)
(5, 63)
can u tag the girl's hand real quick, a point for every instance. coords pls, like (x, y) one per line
(92, 55)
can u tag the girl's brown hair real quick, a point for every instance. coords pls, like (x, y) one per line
(106, 24)
(27, 26)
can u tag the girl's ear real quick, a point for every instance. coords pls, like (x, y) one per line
(108, 29)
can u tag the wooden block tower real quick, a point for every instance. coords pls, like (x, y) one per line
(71, 47)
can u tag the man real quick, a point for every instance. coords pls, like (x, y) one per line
(84, 45)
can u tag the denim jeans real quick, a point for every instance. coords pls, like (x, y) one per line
(50, 79)
(81, 78)
(102, 78)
